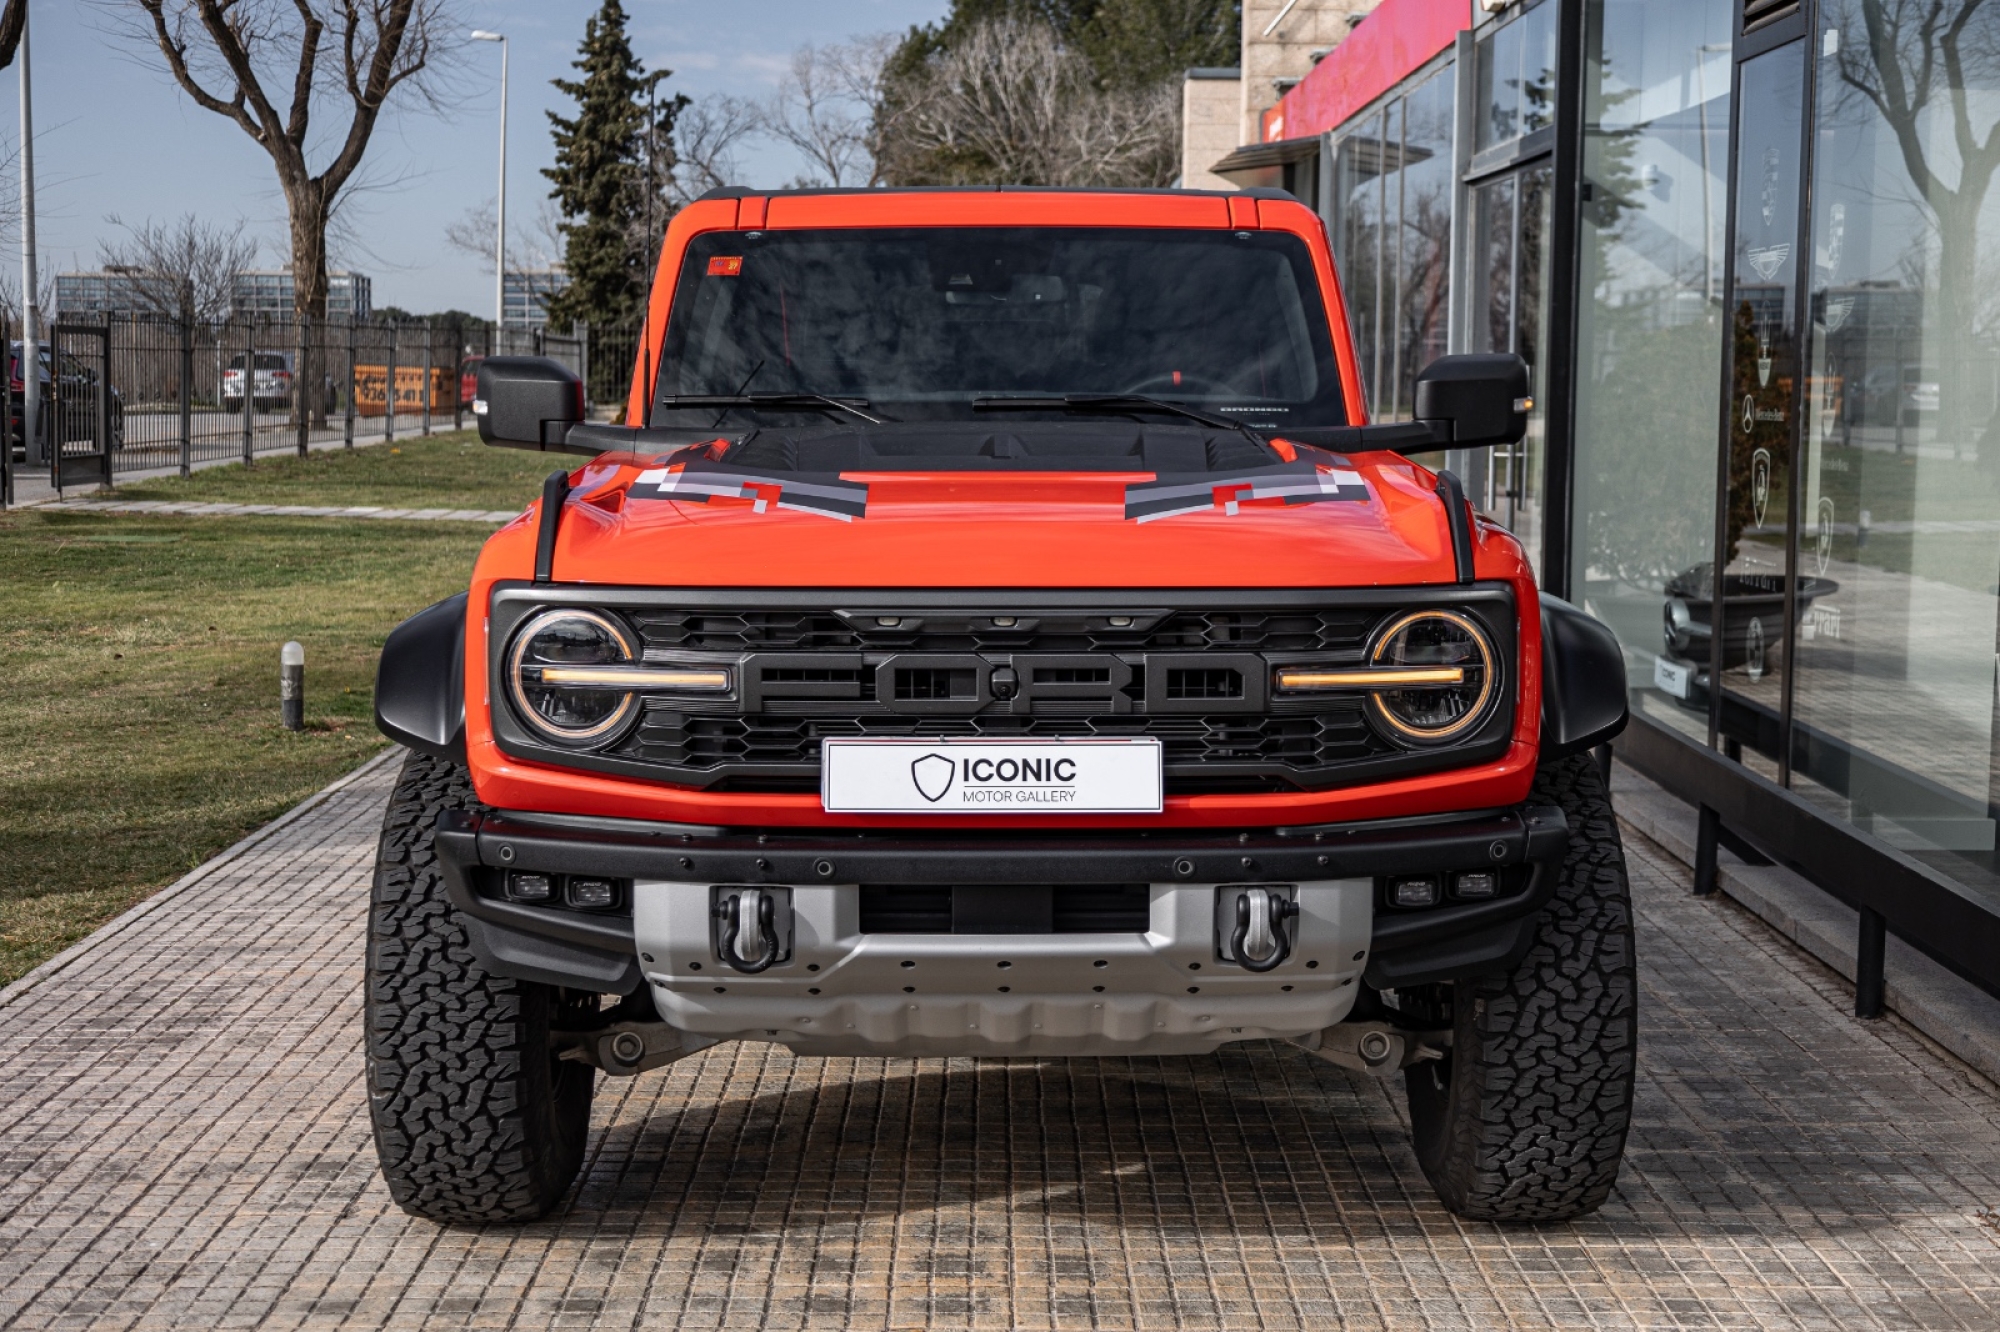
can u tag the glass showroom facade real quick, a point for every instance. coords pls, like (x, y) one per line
(1753, 259)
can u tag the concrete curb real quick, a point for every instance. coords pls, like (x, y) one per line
(1956, 1014)
(117, 925)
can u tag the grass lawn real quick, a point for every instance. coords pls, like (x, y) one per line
(441, 472)
(139, 727)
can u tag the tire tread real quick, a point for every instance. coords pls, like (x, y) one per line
(1532, 1125)
(473, 1121)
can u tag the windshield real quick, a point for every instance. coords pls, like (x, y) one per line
(919, 323)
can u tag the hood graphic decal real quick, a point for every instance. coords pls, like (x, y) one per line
(702, 480)
(1302, 482)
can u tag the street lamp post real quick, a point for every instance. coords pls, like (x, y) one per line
(500, 234)
(31, 379)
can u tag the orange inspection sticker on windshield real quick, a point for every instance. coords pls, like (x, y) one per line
(725, 265)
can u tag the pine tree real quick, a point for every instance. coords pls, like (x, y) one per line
(600, 175)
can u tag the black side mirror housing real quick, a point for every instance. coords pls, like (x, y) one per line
(1475, 400)
(1462, 402)
(527, 402)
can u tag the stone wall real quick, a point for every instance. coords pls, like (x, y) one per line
(1211, 102)
(1271, 62)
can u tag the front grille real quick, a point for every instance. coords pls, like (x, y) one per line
(1306, 742)
(1329, 629)
(936, 684)
(1192, 670)
(1109, 908)
(1185, 684)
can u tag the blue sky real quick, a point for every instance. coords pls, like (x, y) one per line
(113, 134)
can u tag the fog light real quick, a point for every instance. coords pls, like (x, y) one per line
(592, 893)
(1419, 892)
(1475, 885)
(529, 887)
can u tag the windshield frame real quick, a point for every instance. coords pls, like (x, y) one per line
(1317, 317)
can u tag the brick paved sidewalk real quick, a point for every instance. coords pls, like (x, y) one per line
(186, 1146)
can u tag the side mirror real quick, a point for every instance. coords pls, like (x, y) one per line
(1475, 400)
(526, 402)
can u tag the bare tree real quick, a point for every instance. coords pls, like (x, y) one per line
(13, 19)
(1010, 103)
(184, 269)
(1928, 68)
(707, 133)
(349, 56)
(10, 292)
(825, 109)
(540, 246)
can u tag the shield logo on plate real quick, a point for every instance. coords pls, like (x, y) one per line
(932, 774)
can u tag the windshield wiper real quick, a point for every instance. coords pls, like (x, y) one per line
(782, 401)
(1112, 402)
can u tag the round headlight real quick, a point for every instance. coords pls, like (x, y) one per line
(570, 714)
(1435, 714)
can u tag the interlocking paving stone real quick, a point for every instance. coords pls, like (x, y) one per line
(186, 1146)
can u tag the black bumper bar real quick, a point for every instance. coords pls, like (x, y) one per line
(596, 951)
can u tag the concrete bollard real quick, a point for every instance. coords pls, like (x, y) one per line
(292, 686)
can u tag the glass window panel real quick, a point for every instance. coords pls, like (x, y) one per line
(1763, 357)
(1497, 85)
(1493, 266)
(1514, 78)
(1649, 328)
(1359, 237)
(1389, 344)
(1490, 316)
(1511, 216)
(1538, 67)
(1900, 483)
(1519, 467)
(1425, 234)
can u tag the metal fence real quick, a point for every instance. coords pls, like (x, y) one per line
(141, 393)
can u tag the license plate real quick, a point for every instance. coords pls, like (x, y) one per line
(990, 777)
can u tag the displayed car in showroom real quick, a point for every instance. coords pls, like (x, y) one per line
(999, 631)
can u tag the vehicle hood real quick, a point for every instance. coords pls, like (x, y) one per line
(1319, 520)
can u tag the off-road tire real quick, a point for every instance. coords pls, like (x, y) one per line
(475, 1120)
(1525, 1119)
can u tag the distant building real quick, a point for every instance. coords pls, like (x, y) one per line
(269, 293)
(113, 291)
(525, 296)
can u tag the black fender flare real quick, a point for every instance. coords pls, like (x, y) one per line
(420, 681)
(1583, 680)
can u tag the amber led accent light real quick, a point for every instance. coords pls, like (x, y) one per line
(1382, 678)
(626, 677)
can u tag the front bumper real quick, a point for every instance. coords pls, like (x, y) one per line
(848, 991)
(603, 953)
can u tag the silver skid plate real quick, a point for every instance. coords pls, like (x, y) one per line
(843, 992)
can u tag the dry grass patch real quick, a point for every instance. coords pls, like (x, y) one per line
(139, 729)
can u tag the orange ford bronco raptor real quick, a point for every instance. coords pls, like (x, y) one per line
(1000, 633)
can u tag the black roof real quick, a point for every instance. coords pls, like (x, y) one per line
(746, 191)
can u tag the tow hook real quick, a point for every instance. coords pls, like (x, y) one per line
(1375, 1047)
(625, 1048)
(753, 929)
(1260, 939)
